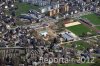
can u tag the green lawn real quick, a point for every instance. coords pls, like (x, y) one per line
(81, 45)
(73, 65)
(25, 7)
(98, 27)
(79, 29)
(93, 18)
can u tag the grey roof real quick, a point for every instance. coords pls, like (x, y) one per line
(67, 36)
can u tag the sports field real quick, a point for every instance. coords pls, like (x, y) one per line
(93, 18)
(79, 29)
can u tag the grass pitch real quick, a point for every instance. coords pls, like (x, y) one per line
(93, 18)
(79, 29)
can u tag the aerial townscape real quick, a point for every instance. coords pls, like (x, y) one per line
(49, 32)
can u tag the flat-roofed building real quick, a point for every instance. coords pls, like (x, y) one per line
(67, 36)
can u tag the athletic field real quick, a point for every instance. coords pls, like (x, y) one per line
(93, 18)
(79, 29)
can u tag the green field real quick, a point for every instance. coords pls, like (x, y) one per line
(81, 45)
(98, 27)
(93, 18)
(73, 65)
(79, 29)
(25, 7)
